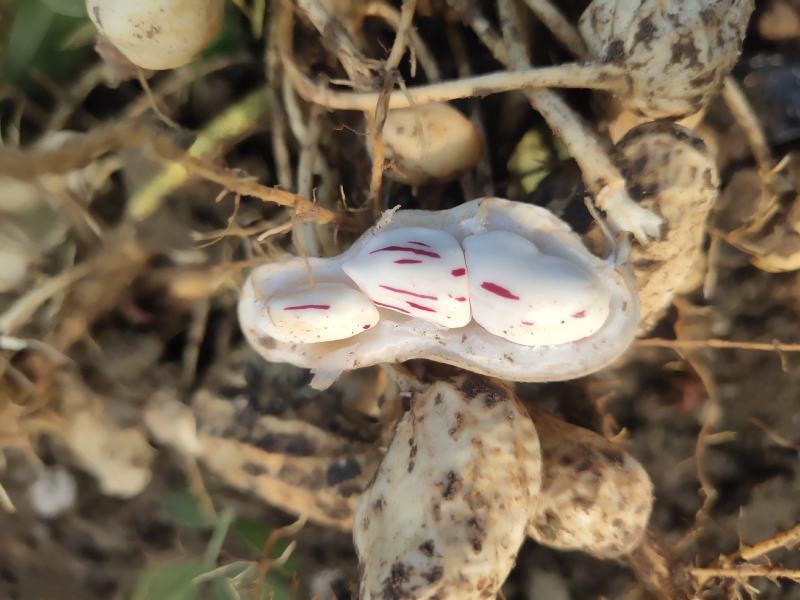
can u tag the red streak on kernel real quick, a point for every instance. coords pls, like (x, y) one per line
(406, 249)
(406, 292)
(420, 244)
(458, 272)
(403, 310)
(580, 314)
(498, 290)
(309, 306)
(527, 323)
(407, 261)
(420, 307)
(366, 326)
(461, 299)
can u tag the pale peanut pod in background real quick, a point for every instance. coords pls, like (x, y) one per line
(530, 298)
(677, 53)
(320, 314)
(670, 171)
(595, 497)
(398, 337)
(429, 142)
(16, 256)
(415, 271)
(158, 34)
(445, 514)
(284, 462)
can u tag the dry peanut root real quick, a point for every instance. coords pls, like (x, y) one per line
(446, 512)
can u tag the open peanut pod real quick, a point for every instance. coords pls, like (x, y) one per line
(496, 287)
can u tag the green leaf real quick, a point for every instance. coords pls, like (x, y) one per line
(171, 581)
(184, 510)
(66, 8)
(36, 41)
(231, 39)
(252, 532)
(275, 589)
(27, 33)
(81, 37)
(224, 590)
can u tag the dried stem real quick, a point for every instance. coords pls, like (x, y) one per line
(381, 108)
(377, 121)
(266, 562)
(230, 180)
(401, 36)
(746, 118)
(743, 573)
(773, 435)
(304, 235)
(198, 487)
(486, 33)
(5, 501)
(337, 40)
(28, 165)
(727, 567)
(477, 182)
(177, 81)
(84, 149)
(153, 102)
(573, 75)
(784, 539)
(601, 176)
(392, 16)
(23, 308)
(659, 570)
(279, 138)
(195, 334)
(233, 122)
(717, 343)
(559, 26)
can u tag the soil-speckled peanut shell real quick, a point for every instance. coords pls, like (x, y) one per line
(670, 171)
(445, 514)
(595, 497)
(677, 53)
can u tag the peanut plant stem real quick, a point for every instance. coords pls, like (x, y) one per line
(573, 75)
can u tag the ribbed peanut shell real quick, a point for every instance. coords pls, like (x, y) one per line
(445, 514)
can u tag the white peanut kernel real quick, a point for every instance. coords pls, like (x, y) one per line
(417, 272)
(530, 298)
(328, 312)
(500, 280)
